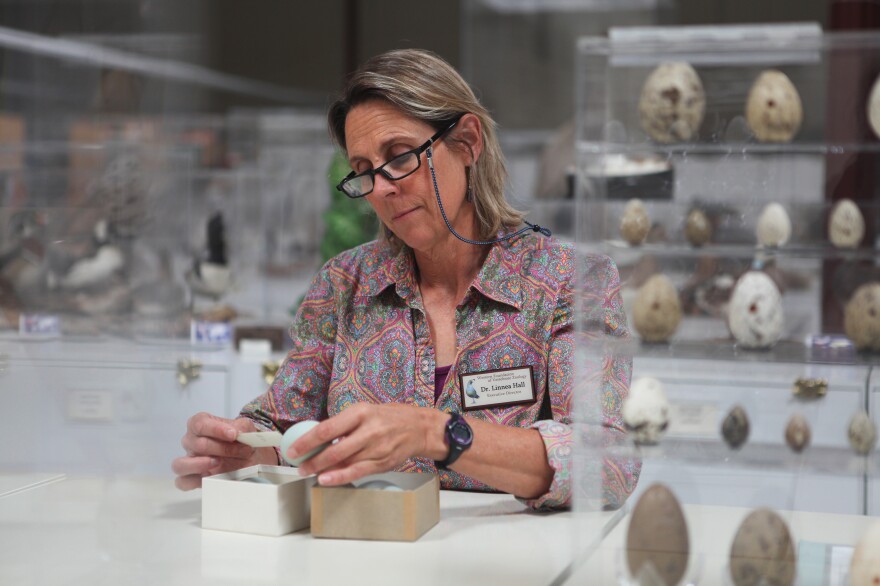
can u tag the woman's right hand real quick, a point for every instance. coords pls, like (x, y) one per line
(211, 449)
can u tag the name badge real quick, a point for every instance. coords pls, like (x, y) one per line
(497, 388)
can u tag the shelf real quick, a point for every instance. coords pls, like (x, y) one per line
(742, 251)
(588, 148)
(784, 351)
(753, 456)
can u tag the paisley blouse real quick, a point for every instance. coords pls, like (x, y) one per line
(361, 334)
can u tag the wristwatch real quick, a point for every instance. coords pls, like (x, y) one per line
(459, 436)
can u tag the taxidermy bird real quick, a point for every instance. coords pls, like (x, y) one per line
(22, 251)
(211, 276)
(91, 270)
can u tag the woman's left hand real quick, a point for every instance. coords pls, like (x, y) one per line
(370, 439)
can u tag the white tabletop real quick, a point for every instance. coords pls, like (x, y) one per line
(94, 531)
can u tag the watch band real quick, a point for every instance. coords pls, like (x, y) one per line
(459, 436)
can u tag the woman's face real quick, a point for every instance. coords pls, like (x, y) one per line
(375, 132)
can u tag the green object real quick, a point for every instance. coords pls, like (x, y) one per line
(348, 222)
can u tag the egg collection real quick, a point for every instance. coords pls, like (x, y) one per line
(764, 550)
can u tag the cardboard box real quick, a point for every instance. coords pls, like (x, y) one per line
(388, 515)
(265, 500)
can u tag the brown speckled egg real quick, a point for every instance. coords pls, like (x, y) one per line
(697, 228)
(773, 108)
(657, 545)
(735, 427)
(657, 309)
(846, 224)
(635, 223)
(797, 433)
(762, 552)
(861, 317)
(874, 108)
(864, 568)
(862, 433)
(672, 103)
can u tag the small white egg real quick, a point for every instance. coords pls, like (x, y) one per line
(635, 223)
(645, 410)
(293, 433)
(672, 103)
(846, 225)
(774, 226)
(754, 314)
(773, 107)
(874, 108)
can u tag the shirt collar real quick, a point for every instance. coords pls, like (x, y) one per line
(499, 278)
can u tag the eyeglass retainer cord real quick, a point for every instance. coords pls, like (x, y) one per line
(529, 226)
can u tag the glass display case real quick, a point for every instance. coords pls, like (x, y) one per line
(731, 173)
(519, 57)
(151, 254)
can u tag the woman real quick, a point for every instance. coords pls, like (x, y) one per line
(390, 331)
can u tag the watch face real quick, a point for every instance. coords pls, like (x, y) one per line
(461, 433)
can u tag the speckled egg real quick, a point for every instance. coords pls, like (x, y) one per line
(861, 317)
(862, 433)
(672, 103)
(657, 309)
(754, 313)
(697, 228)
(846, 224)
(735, 427)
(645, 410)
(657, 543)
(874, 107)
(763, 552)
(773, 107)
(635, 223)
(797, 433)
(864, 568)
(774, 226)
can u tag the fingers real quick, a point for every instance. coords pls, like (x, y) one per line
(207, 425)
(328, 431)
(334, 455)
(188, 482)
(211, 449)
(190, 470)
(205, 446)
(188, 465)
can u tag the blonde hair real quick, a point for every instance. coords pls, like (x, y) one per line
(424, 86)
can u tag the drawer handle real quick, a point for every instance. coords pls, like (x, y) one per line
(188, 371)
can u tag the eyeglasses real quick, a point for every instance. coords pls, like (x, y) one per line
(358, 185)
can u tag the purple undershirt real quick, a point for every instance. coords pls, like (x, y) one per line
(440, 375)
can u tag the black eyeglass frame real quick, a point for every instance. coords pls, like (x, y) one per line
(381, 168)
